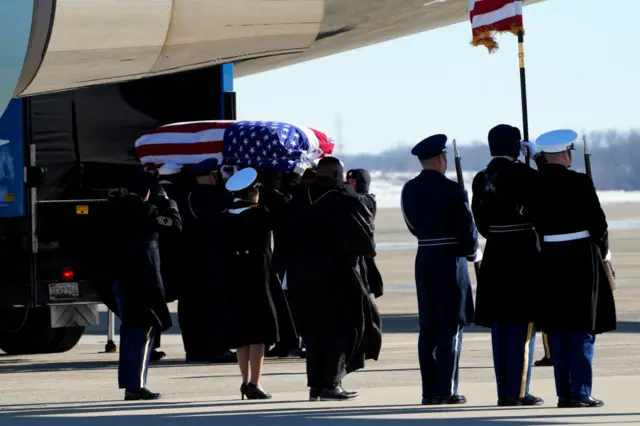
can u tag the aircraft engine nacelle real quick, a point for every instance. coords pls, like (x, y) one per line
(56, 45)
(53, 45)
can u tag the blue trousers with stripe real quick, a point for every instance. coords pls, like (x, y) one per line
(439, 351)
(513, 346)
(572, 359)
(136, 344)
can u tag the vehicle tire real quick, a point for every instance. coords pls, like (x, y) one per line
(65, 339)
(33, 337)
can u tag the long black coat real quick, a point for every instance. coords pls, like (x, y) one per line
(571, 276)
(200, 304)
(370, 272)
(250, 285)
(329, 230)
(135, 226)
(503, 197)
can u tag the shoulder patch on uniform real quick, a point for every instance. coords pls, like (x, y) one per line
(164, 221)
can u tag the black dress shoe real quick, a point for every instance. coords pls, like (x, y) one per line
(585, 402)
(453, 399)
(544, 362)
(314, 394)
(337, 394)
(140, 394)
(563, 402)
(157, 355)
(518, 402)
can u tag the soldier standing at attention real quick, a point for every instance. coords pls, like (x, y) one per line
(578, 300)
(138, 216)
(436, 210)
(503, 194)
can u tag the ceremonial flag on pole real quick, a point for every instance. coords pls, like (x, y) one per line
(489, 17)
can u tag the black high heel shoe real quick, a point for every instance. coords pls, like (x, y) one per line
(243, 390)
(253, 391)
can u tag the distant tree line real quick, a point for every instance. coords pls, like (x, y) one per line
(615, 159)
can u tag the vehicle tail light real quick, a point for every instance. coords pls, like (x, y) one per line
(68, 274)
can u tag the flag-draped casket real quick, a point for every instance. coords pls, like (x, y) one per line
(271, 145)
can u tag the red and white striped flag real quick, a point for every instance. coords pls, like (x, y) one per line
(182, 143)
(489, 17)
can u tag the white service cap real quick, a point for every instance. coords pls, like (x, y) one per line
(242, 179)
(556, 141)
(169, 169)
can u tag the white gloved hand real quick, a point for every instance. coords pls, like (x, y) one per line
(477, 257)
(607, 258)
(531, 146)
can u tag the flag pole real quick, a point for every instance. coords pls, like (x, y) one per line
(523, 94)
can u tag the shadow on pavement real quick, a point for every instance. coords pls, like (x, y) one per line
(164, 413)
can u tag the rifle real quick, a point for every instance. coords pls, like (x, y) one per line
(458, 161)
(608, 266)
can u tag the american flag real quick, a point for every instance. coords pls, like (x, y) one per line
(192, 142)
(182, 143)
(494, 16)
(274, 145)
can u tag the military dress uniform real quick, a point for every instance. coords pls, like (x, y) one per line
(437, 212)
(200, 300)
(138, 288)
(503, 195)
(578, 302)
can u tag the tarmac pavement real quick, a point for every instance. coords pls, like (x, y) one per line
(80, 387)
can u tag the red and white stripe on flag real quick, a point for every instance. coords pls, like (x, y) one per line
(182, 143)
(489, 17)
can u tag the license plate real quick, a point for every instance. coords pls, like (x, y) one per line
(64, 291)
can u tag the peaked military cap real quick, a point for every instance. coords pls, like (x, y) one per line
(242, 180)
(169, 169)
(430, 147)
(556, 141)
(206, 167)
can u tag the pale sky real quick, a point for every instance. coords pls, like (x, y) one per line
(583, 72)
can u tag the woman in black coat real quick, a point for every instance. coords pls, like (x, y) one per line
(250, 283)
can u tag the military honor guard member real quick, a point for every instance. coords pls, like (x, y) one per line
(578, 301)
(250, 282)
(503, 197)
(436, 210)
(200, 299)
(138, 216)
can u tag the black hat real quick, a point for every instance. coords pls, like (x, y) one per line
(362, 178)
(504, 140)
(141, 182)
(430, 147)
(206, 167)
